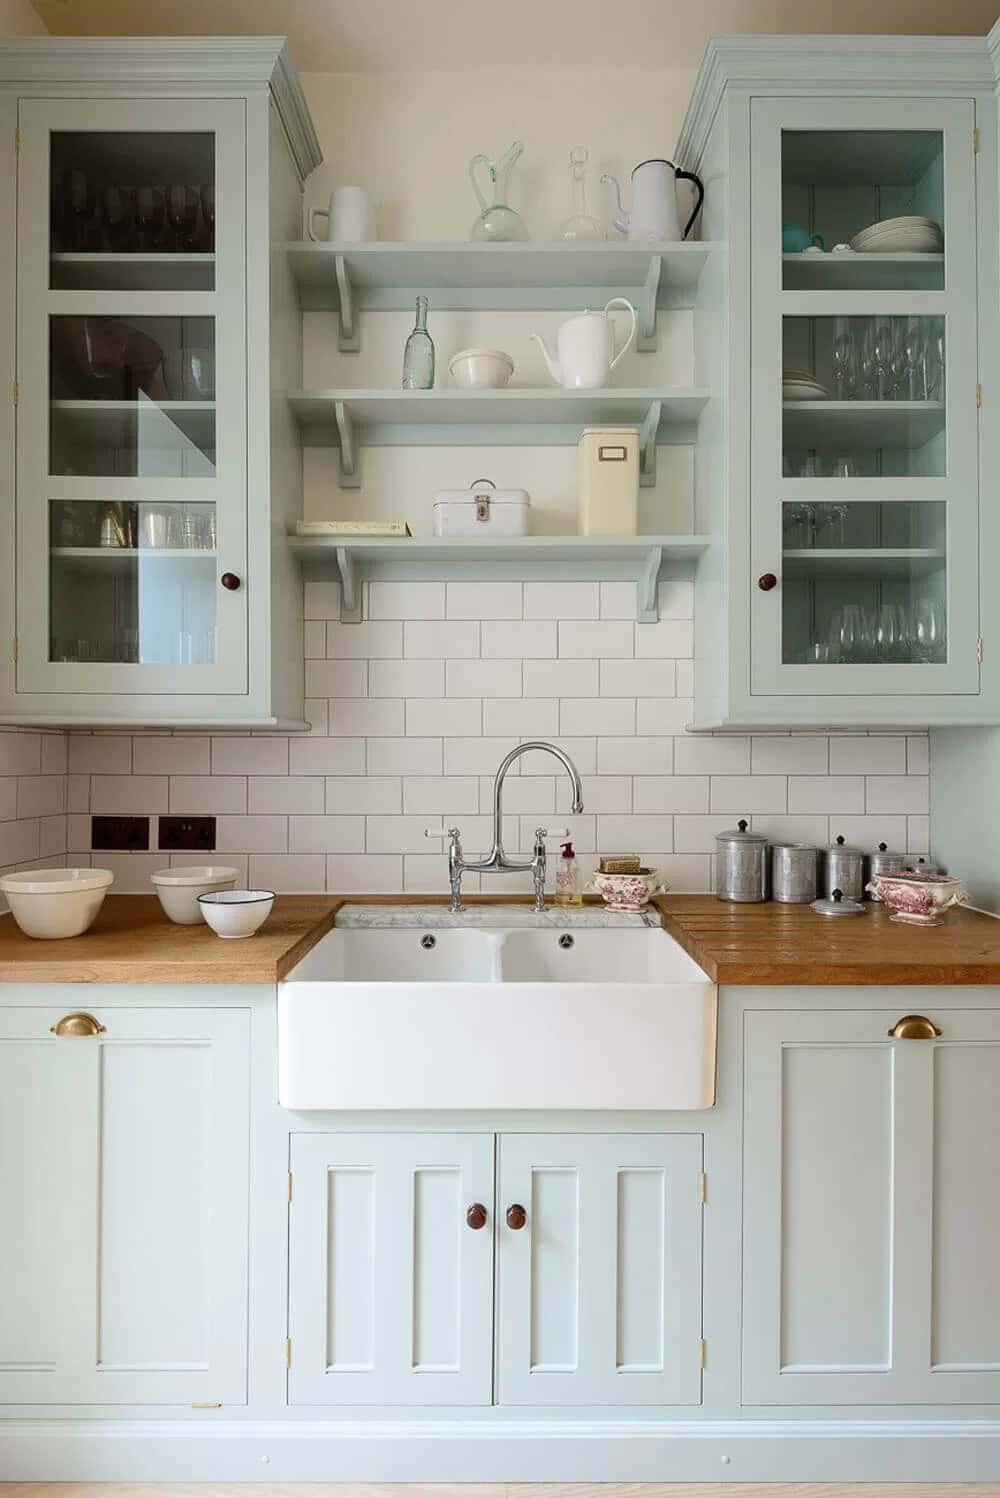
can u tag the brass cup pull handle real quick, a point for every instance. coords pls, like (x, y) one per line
(77, 1023)
(475, 1216)
(516, 1217)
(914, 1027)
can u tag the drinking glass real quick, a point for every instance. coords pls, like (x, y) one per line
(882, 347)
(831, 525)
(809, 468)
(928, 631)
(150, 212)
(847, 632)
(914, 361)
(798, 527)
(887, 632)
(182, 215)
(865, 360)
(844, 467)
(841, 351)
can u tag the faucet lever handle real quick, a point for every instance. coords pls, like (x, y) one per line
(543, 832)
(453, 832)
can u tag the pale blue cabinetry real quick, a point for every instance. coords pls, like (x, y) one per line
(872, 1209)
(123, 1163)
(597, 1247)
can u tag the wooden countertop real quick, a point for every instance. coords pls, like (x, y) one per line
(773, 944)
(133, 942)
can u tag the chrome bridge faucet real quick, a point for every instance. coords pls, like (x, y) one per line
(498, 861)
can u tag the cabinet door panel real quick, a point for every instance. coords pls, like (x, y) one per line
(871, 1210)
(390, 1288)
(600, 1291)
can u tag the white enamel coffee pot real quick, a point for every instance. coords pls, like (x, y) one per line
(655, 213)
(586, 348)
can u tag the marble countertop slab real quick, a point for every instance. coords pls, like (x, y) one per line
(441, 917)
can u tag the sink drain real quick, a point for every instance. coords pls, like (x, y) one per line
(428, 941)
(565, 942)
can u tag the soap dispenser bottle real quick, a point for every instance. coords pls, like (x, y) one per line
(568, 890)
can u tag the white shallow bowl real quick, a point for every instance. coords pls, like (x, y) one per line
(55, 903)
(234, 913)
(481, 368)
(178, 889)
(791, 390)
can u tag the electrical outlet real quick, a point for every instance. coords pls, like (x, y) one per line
(120, 834)
(187, 834)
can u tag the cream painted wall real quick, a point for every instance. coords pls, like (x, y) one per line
(18, 17)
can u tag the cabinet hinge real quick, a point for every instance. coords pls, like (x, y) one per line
(979, 396)
(288, 1352)
(207, 1404)
(289, 1186)
(979, 652)
(702, 1352)
(975, 140)
(703, 1188)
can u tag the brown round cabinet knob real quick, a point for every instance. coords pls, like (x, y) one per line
(475, 1216)
(516, 1217)
(766, 582)
(230, 580)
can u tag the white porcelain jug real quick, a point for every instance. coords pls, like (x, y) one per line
(655, 214)
(586, 348)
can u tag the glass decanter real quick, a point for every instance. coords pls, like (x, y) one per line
(418, 355)
(580, 224)
(497, 222)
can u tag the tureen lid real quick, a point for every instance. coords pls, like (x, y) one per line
(838, 904)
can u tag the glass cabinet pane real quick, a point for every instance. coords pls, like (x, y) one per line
(864, 583)
(133, 583)
(132, 210)
(862, 210)
(863, 397)
(132, 396)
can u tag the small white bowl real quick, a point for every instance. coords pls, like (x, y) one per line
(178, 890)
(55, 903)
(236, 912)
(481, 368)
(627, 892)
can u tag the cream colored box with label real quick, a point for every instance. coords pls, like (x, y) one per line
(609, 481)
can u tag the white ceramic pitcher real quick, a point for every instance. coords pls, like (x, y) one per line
(655, 214)
(586, 348)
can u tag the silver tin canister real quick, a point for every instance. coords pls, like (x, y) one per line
(882, 861)
(741, 865)
(844, 869)
(794, 873)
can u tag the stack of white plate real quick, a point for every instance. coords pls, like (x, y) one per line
(891, 235)
(800, 385)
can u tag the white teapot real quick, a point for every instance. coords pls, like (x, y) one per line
(586, 348)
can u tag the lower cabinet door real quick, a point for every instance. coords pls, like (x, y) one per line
(871, 1210)
(124, 1166)
(391, 1269)
(600, 1269)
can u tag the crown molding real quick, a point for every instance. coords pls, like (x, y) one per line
(231, 62)
(877, 64)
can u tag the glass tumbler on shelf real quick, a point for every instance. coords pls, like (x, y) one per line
(418, 355)
(928, 631)
(798, 527)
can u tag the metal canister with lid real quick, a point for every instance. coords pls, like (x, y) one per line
(882, 861)
(843, 869)
(794, 873)
(741, 865)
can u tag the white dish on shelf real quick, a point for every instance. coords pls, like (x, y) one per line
(178, 889)
(236, 913)
(910, 232)
(481, 368)
(797, 390)
(55, 903)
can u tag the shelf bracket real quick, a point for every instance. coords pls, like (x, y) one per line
(350, 591)
(349, 466)
(348, 329)
(646, 604)
(646, 340)
(647, 445)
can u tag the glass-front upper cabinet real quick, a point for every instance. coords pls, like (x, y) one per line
(864, 443)
(131, 354)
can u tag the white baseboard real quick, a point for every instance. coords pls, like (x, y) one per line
(537, 1451)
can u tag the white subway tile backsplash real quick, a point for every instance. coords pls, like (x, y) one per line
(287, 873)
(425, 639)
(41, 796)
(725, 754)
(802, 828)
(479, 678)
(321, 599)
(368, 641)
(918, 759)
(314, 710)
(408, 834)
(829, 793)
(527, 639)
(305, 794)
(366, 717)
(560, 678)
(90, 755)
(745, 794)
(423, 874)
(130, 795)
(868, 831)
(684, 873)
(448, 794)
(584, 715)
(326, 834)
(52, 836)
(850, 755)
(19, 841)
(337, 678)
(671, 793)
(897, 793)
(525, 717)
(406, 678)
(635, 834)
(676, 598)
(563, 601)
(405, 600)
(171, 754)
(638, 678)
(617, 600)
(795, 754)
(251, 834)
(248, 756)
(918, 834)
(697, 834)
(601, 793)
(323, 756)
(426, 716)
(533, 794)
(364, 874)
(55, 754)
(670, 639)
(580, 830)
(8, 798)
(685, 679)
(21, 753)
(485, 600)
(346, 794)
(663, 715)
(583, 753)
(635, 756)
(401, 756)
(207, 794)
(581, 639)
(314, 639)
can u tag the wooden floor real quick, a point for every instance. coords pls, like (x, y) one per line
(499, 1490)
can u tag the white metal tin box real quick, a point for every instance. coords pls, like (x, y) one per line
(482, 510)
(609, 481)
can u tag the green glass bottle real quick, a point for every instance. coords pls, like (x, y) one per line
(418, 355)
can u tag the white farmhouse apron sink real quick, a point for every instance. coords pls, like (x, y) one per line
(405, 1019)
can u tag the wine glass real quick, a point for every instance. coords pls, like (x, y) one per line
(831, 524)
(798, 523)
(150, 212)
(928, 631)
(841, 351)
(182, 214)
(882, 346)
(865, 358)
